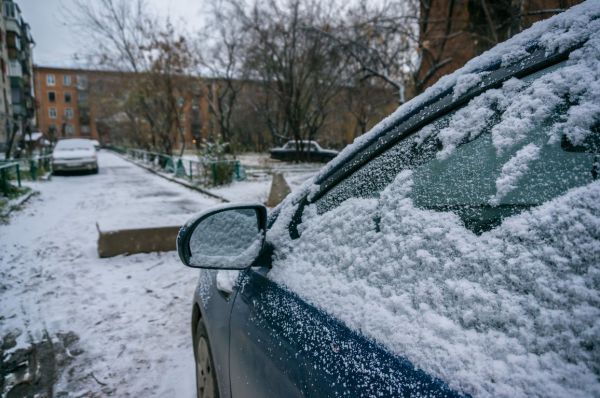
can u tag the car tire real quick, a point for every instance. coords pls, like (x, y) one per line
(95, 171)
(206, 380)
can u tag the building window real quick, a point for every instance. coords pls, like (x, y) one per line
(51, 96)
(66, 80)
(52, 113)
(82, 82)
(50, 80)
(68, 98)
(69, 129)
(85, 130)
(69, 113)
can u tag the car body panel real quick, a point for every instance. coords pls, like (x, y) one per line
(282, 346)
(216, 307)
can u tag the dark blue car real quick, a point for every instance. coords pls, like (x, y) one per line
(452, 251)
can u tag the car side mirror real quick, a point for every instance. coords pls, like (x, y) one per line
(226, 237)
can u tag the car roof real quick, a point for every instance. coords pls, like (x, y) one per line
(545, 43)
(75, 141)
(302, 141)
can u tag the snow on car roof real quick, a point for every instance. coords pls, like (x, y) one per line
(558, 33)
(74, 143)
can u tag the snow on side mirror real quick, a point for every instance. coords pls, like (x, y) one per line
(225, 237)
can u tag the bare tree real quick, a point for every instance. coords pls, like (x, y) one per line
(156, 59)
(300, 71)
(222, 59)
(380, 41)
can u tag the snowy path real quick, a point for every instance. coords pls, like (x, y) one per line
(131, 313)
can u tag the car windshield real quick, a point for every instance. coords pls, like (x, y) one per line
(74, 145)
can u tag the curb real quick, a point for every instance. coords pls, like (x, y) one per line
(13, 205)
(173, 179)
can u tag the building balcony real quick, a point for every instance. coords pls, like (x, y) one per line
(12, 25)
(15, 69)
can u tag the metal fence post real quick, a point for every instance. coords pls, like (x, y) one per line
(18, 176)
(33, 169)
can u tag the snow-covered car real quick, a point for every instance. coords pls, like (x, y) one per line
(454, 250)
(303, 150)
(75, 154)
(96, 144)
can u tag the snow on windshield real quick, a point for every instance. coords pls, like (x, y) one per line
(511, 311)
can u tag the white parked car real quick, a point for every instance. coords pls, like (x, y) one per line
(75, 154)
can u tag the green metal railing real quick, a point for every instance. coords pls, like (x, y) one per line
(9, 171)
(205, 172)
(32, 167)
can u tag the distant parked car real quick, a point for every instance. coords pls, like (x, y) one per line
(454, 250)
(303, 150)
(75, 154)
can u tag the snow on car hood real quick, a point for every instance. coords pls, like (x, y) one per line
(74, 154)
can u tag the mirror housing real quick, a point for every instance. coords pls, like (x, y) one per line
(229, 236)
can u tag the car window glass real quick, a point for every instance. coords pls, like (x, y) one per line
(479, 183)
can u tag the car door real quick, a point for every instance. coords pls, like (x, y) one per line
(283, 347)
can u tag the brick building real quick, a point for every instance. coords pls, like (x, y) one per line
(62, 101)
(454, 31)
(79, 103)
(83, 103)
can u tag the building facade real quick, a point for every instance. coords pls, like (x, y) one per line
(63, 103)
(17, 105)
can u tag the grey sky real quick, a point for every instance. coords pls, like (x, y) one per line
(57, 43)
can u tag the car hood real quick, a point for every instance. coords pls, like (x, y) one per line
(74, 154)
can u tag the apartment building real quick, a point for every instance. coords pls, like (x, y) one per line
(17, 105)
(85, 103)
(63, 105)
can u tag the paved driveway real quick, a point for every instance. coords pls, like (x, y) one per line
(131, 314)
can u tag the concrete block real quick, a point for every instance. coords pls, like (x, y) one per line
(139, 240)
(279, 190)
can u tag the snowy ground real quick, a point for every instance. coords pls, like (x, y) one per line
(131, 313)
(259, 171)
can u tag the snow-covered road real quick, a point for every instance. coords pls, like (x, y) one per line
(131, 313)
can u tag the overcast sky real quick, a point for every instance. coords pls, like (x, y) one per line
(56, 42)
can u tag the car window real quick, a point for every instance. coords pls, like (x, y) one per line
(468, 173)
